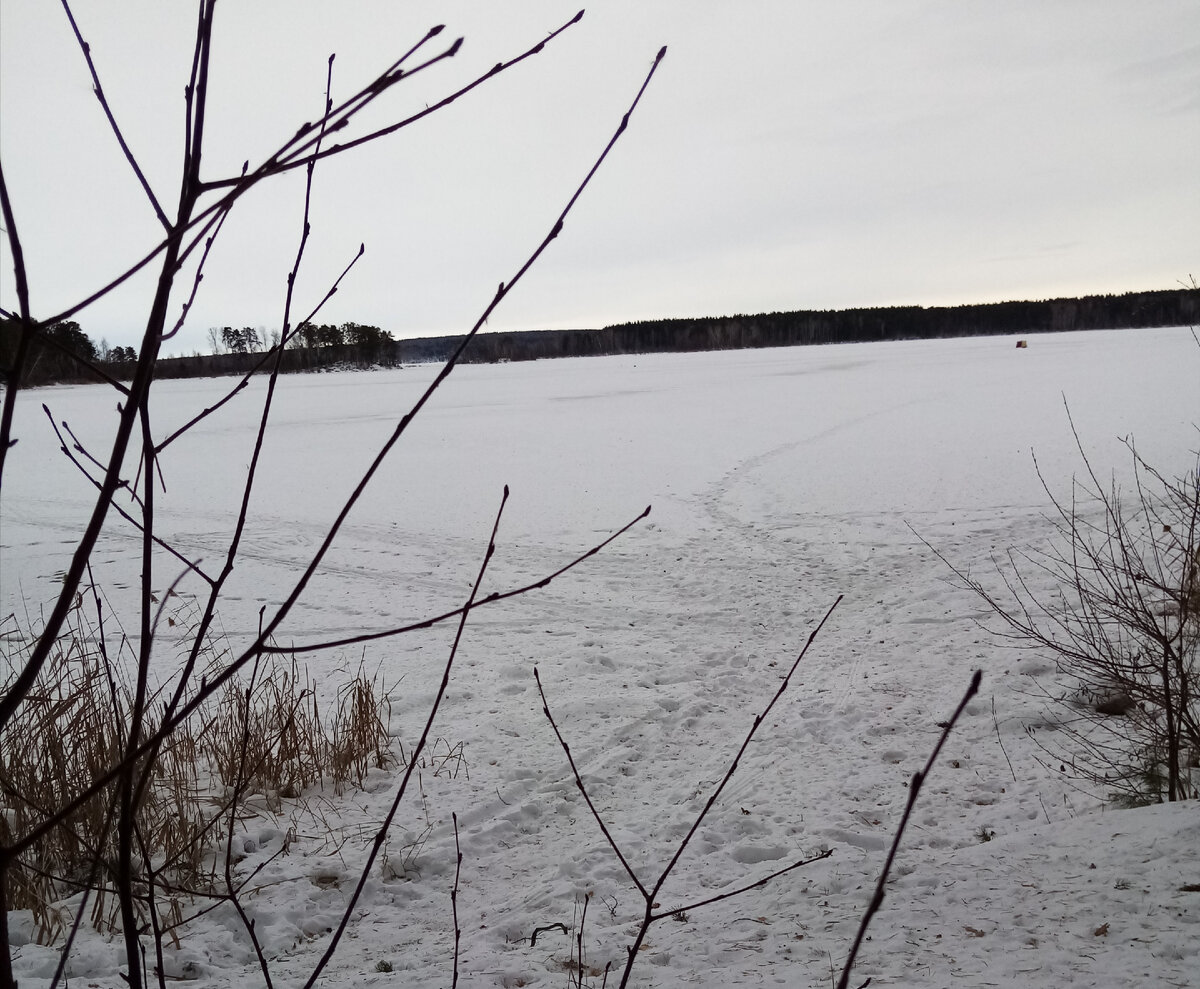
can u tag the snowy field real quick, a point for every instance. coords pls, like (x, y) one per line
(779, 479)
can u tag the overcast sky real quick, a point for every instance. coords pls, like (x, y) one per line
(788, 155)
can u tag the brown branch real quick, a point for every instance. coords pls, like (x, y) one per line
(28, 329)
(138, 392)
(196, 97)
(414, 759)
(239, 786)
(492, 598)
(454, 900)
(296, 149)
(744, 889)
(209, 240)
(252, 470)
(192, 565)
(20, 274)
(650, 894)
(759, 719)
(295, 160)
(262, 361)
(98, 89)
(314, 564)
(271, 165)
(612, 842)
(131, 785)
(914, 790)
(80, 911)
(136, 409)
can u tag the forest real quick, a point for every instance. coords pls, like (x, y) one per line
(64, 352)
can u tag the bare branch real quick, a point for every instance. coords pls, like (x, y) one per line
(98, 89)
(198, 277)
(458, 857)
(192, 565)
(745, 889)
(649, 894)
(262, 643)
(612, 842)
(294, 148)
(758, 720)
(914, 791)
(27, 326)
(414, 759)
(493, 598)
(196, 100)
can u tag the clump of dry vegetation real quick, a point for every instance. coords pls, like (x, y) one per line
(266, 736)
(1121, 620)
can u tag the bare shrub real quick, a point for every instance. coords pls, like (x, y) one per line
(276, 734)
(1122, 622)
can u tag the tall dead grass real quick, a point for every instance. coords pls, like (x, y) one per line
(270, 736)
(265, 737)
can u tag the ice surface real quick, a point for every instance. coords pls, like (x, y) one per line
(779, 479)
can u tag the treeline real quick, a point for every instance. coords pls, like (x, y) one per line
(1177, 307)
(63, 352)
(366, 343)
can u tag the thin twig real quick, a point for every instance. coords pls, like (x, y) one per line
(648, 915)
(81, 910)
(138, 391)
(914, 790)
(211, 685)
(198, 277)
(258, 365)
(14, 374)
(218, 584)
(414, 760)
(239, 785)
(649, 895)
(996, 725)
(196, 94)
(758, 720)
(136, 409)
(612, 842)
(314, 564)
(493, 598)
(454, 900)
(98, 90)
(744, 889)
(192, 565)
(297, 159)
(579, 939)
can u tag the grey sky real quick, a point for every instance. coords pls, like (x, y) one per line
(788, 156)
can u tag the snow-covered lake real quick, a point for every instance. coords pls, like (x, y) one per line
(779, 479)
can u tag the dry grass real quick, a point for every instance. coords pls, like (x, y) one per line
(271, 735)
(264, 736)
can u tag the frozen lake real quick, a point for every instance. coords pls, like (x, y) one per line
(731, 442)
(779, 479)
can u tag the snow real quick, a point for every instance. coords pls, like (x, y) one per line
(779, 479)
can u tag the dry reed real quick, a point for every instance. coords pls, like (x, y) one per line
(263, 737)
